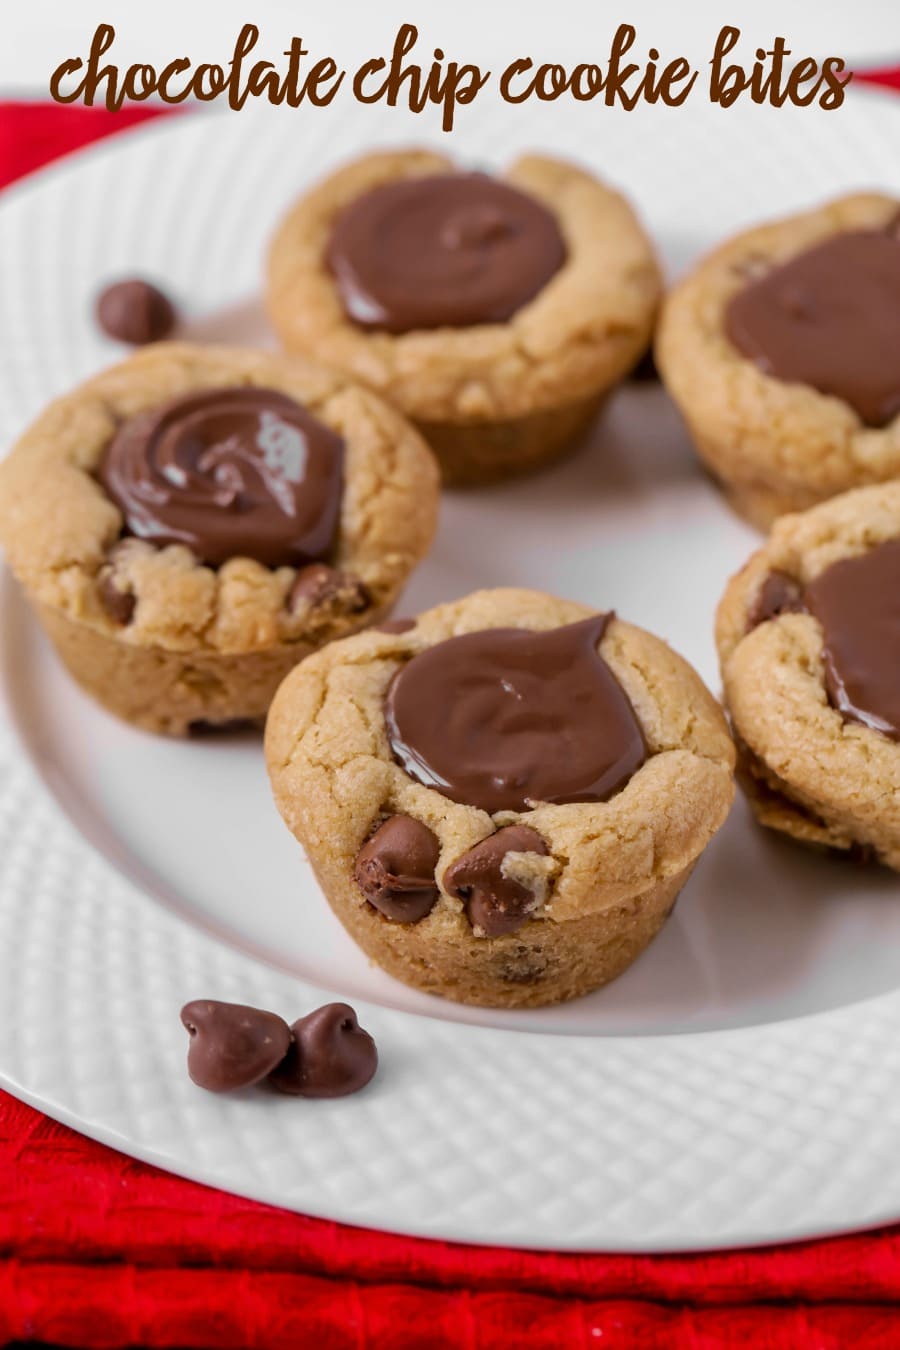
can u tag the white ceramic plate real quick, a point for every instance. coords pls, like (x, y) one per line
(740, 1084)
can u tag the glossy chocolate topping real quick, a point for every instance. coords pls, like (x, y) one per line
(857, 602)
(232, 1045)
(395, 869)
(446, 251)
(829, 318)
(495, 903)
(504, 717)
(229, 472)
(330, 1055)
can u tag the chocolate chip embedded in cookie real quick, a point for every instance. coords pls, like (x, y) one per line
(778, 594)
(781, 350)
(499, 896)
(809, 642)
(394, 869)
(496, 311)
(319, 587)
(519, 795)
(191, 524)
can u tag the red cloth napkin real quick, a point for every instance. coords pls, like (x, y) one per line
(97, 1250)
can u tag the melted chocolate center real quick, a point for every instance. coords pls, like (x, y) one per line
(229, 472)
(829, 318)
(857, 602)
(505, 717)
(446, 251)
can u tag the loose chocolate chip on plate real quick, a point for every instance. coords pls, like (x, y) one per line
(134, 311)
(395, 869)
(495, 903)
(330, 1056)
(231, 1045)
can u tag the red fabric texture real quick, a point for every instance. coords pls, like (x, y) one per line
(97, 1250)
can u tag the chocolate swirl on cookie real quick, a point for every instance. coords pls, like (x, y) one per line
(239, 472)
(507, 717)
(448, 250)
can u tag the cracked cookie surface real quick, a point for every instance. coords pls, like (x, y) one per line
(158, 637)
(611, 870)
(774, 446)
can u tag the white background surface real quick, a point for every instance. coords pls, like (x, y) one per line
(740, 1083)
(39, 34)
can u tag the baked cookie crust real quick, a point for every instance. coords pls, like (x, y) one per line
(613, 869)
(775, 447)
(202, 644)
(493, 399)
(807, 771)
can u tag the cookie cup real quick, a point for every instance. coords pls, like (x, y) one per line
(806, 771)
(203, 645)
(774, 446)
(613, 869)
(493, 399)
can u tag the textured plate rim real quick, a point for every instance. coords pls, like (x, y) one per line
(882, 1011)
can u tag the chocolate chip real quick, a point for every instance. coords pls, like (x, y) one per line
(202, 727)
(118, 603)
(232, 1045)
(864, 855)
(779, 594)
(645, 372)
(495, 903)
(395, 869)
(394, 626)
(330, 1055)
(134, 311)
(319, 585)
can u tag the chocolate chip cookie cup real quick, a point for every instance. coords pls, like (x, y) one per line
(520, 794)
(809, 642)
(192, 523)
(780, 350)
(495, 312)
